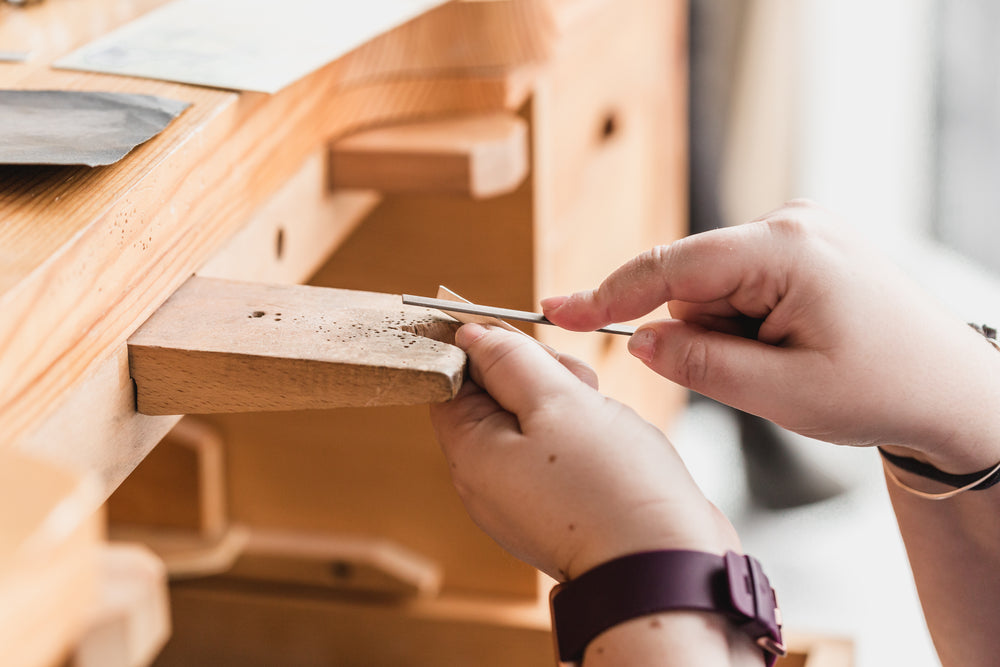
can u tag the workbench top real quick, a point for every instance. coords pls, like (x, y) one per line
(87, 254)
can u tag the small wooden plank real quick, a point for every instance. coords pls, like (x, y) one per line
(343, 564)
(49, 536)
(226, 346)
(479, 155)
(130, 622)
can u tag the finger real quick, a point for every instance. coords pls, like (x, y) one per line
(705, 267)
(755, 377)
(580, 368)
(520, 375)
(471, 416)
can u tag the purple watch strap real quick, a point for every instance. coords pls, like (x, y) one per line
(654, 581)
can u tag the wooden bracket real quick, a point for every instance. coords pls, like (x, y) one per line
(477, 155)
(357, 565)
(226, 346)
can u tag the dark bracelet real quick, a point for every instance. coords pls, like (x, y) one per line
(930, 472)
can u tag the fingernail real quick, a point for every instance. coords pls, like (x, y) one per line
(553, 302)
(468, 333)
(642, 344)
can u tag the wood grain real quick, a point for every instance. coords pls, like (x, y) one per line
(227, 346)
(480, 156)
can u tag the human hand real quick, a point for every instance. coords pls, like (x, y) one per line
(559, 475)
(789, 318)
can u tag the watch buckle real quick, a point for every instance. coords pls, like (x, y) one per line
(771, 646)
(753, 598)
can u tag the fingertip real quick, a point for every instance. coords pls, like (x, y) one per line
(467, 334)
(642, 344)
(552, 303)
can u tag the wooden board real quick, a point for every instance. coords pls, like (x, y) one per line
(478, 155)
(228, 346)
(90, 254)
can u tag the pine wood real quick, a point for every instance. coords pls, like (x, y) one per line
(481, 156)
(49, 537)
(130, 621)
(90, 254)
(227, 346)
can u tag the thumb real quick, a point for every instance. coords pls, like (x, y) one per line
(755, 377)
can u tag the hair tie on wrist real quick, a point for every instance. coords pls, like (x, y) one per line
(976, 481)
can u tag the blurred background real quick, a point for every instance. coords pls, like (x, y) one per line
(886, 112)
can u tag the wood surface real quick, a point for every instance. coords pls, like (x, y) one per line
(610, 169)
(91, 253)
(339, 564)
(130, 621)
(228, 346)
(49, 546)
(217, 623)
(180, 486)
(478, 155)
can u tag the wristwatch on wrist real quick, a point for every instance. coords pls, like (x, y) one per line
(655, 581)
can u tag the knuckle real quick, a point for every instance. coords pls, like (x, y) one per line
(694, 364)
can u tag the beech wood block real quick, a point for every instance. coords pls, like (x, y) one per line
(481, 155)
(226, 346)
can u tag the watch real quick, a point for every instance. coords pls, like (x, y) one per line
(653, 581)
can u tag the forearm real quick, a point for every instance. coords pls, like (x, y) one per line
(674, 639)
(954, 551)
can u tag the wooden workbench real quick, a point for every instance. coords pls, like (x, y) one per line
(293, 187)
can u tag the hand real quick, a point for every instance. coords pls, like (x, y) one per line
(790, 319)
(561, 476)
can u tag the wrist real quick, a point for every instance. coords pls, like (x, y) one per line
(710, 534)
(674, 638)
(680, 585)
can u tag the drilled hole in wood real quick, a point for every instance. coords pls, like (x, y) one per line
(279, 243)
(610, 125)
(341, 569)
